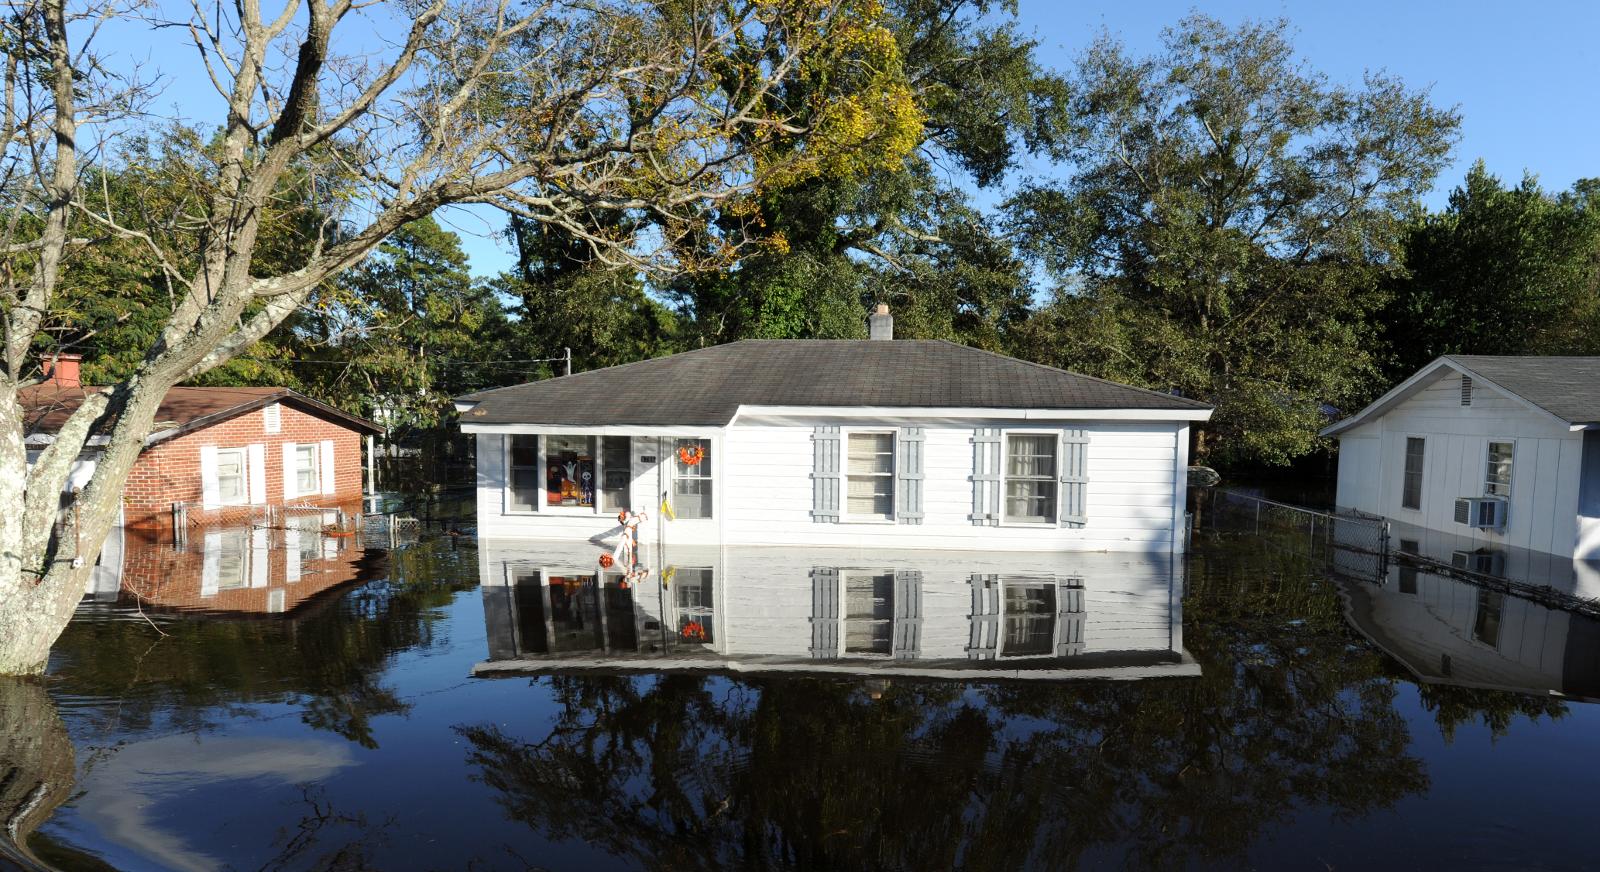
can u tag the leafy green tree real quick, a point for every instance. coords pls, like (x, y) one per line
(1501, 270)
(412, 326)
(1223, 226)
(906, 236)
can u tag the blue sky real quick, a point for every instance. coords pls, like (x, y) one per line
(1526, 76)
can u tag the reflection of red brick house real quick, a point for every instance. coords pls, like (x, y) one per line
(223, 452)
(239, 569)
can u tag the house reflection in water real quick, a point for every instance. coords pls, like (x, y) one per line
(1478, 633)
(549, 608)
(240, 569)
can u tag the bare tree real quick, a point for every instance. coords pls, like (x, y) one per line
(556, 110)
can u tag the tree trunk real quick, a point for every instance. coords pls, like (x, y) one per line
(37, 764)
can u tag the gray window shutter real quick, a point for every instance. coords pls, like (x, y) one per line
(984, 643)
(907, 644)
(986, 477)
(908, 475)
(825, 479)
(824, 613)
(1069, 616)
(1074, 477)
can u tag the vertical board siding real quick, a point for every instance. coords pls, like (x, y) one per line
(909, 443)
(825, 476)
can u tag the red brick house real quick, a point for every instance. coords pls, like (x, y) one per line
(225, 453)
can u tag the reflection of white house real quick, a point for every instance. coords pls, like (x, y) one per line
(1502, 450)
(1453, 632)
(877, 612)
(840, 443)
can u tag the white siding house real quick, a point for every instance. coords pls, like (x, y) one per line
(1503, 451)
(921, 444)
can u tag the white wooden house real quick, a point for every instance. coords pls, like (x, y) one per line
(1504, 451)
(893, 443)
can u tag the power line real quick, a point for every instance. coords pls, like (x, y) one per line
(353, 362)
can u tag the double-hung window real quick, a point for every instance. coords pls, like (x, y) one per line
(522, 464)
(233, 488)
(307, 479)
(870, 473)
(868, 612)
(1031, 483)
(691, 478)
(1497, 475)
(1411, 491)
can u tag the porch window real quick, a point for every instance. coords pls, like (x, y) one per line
(691, 478)
(522, 463)
(1411, 493)
(1030, 477)
(233, 488)
(569, 471)
(1497, 478)
(870, 492)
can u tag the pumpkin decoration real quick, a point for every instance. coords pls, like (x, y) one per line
(606, 561)
(691, 455)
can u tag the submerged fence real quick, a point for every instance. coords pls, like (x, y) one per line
(1352, 544)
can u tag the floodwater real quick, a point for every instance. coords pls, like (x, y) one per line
(278, 702)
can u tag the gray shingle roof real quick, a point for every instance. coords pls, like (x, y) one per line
(1567, 387)
(706, 387)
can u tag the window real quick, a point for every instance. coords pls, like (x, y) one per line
(1030, 478)
(1030, 616)
(691, 478)
(569, 471)
(870, 473)
(1411, 493)
(868, 613)
(522, 464)
(1486, 625)
(696, 604)
(614, 465)
(306, 480)
(272, 419)
(1408, 570)
(1497, 479)
(232, 559)
(233, 489)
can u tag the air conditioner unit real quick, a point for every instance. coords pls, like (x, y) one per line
(1484, 513)
(1482, 561)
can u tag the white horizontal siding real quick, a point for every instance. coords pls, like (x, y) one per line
(763, 494)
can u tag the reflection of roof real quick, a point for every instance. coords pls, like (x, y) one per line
(1113, 666)
(1566, 388)
(707, 386)
(46, 407)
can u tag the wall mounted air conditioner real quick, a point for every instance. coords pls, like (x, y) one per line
(1483, 513)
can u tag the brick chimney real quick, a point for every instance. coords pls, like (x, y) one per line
(63, 370)
(880, 324)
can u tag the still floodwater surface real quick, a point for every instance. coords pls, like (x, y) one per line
(1258, 727)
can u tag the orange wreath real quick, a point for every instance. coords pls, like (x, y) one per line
(691, 455)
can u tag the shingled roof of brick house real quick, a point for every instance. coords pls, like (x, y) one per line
(707, 387)
(184, 409)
